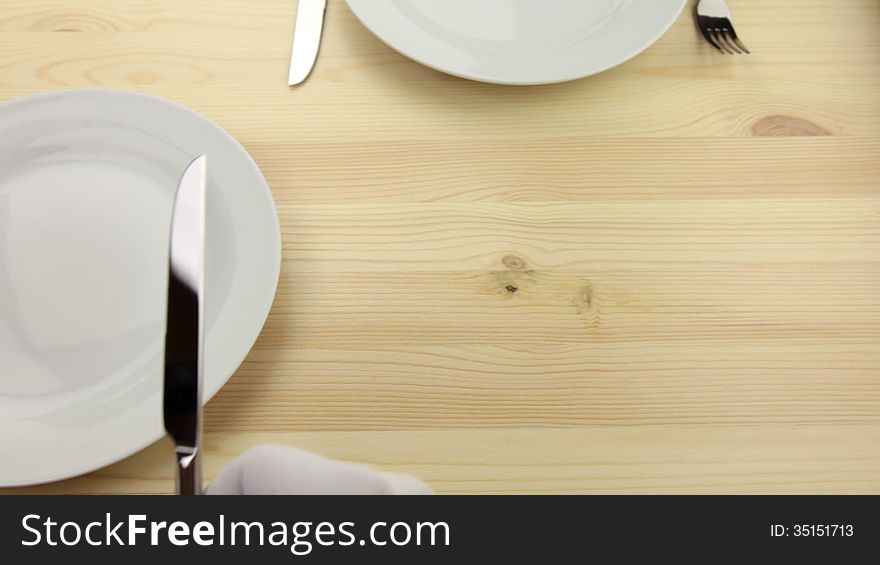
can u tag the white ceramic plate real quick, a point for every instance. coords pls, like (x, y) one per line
(86, 185)
(519, 41)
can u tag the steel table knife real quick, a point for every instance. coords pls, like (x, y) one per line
(306, 39)
(184, 330)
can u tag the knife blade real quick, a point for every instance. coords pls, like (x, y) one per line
(184, 328)
(306, 39)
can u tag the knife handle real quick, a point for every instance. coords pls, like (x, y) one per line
(189, 471)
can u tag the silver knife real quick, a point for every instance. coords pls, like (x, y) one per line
(184, 330)
(306, 39)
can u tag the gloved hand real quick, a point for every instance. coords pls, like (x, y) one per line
(271, 469)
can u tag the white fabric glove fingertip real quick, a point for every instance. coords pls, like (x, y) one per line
(272, 469)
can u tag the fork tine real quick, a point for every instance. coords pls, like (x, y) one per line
(709, 39)
(735, 40)
(716, 35)
(724, 35)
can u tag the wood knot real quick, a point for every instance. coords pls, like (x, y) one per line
(787, 126)
(587, 297)
(513, 263)
(588, 304)
(511, 289)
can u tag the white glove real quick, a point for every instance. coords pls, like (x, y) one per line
(272, 469)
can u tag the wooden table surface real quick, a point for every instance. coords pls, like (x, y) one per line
(664, 278)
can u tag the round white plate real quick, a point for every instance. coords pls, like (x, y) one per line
(519, 41)
(86, 185)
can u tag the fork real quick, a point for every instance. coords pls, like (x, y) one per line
(713, 17)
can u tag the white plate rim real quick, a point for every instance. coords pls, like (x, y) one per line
(211, 387)
(361, 10)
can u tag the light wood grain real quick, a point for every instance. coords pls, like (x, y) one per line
(672, 459)
(665, 278)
